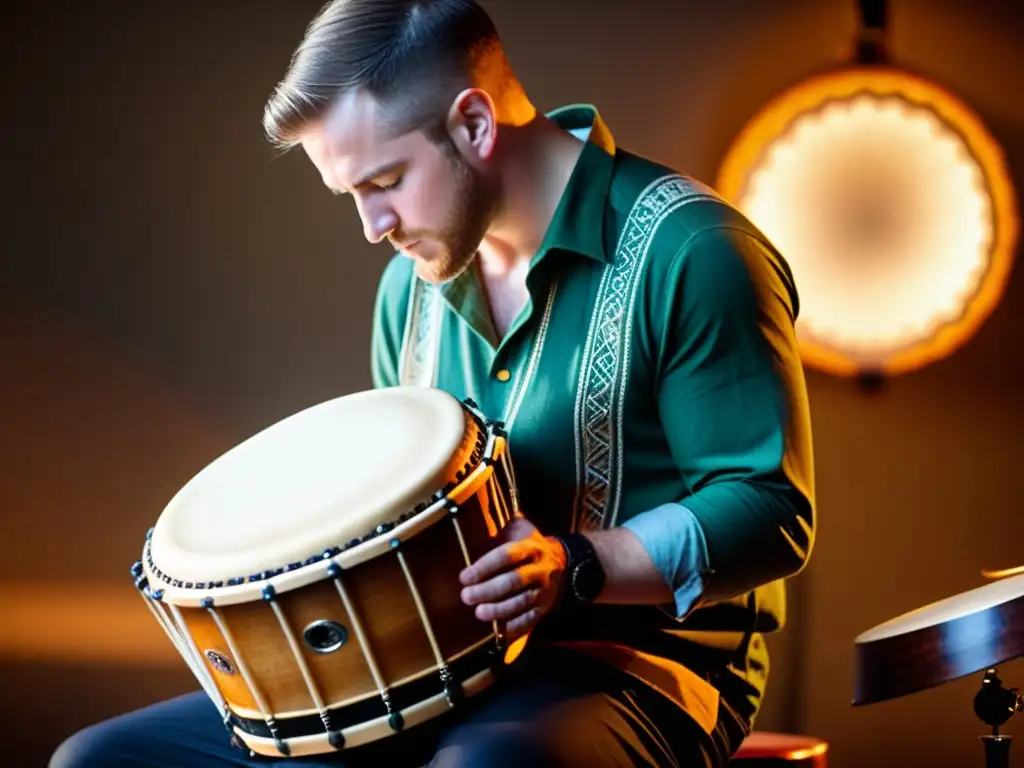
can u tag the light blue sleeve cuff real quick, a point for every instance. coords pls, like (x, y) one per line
(675, 541)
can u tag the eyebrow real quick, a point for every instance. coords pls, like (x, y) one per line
(373, 175)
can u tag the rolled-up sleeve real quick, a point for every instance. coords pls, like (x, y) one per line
(733, 403)
(673, 538)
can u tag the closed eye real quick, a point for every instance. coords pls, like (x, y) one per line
(388, 184)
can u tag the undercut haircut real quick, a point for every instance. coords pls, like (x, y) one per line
(412, 56)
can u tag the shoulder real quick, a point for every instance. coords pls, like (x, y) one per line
(693, 243)
(686, 228)
(673, 206)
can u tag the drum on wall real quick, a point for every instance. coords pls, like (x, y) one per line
(309, 576)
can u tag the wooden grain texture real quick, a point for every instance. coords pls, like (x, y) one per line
(379, 593)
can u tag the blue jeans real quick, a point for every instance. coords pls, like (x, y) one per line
(556, 709)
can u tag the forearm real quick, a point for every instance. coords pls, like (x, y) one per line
(631, 576)
(658, 557)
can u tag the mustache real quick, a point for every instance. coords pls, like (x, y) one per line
(400, 239)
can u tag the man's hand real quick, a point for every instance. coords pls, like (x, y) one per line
(518, 582)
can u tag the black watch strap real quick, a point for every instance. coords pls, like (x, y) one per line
(584, 576)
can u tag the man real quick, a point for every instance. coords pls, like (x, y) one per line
(634, 334)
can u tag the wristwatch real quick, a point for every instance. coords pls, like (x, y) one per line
(584, 575)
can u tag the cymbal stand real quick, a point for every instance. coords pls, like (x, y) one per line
(994, 705)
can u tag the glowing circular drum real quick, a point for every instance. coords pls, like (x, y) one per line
(892, 204)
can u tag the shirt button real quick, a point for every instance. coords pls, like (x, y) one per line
(503, 375)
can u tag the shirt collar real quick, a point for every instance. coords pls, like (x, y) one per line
(578, 223)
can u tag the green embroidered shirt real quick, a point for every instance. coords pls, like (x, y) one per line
(653, 381)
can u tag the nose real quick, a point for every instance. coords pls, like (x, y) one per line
(379, 219)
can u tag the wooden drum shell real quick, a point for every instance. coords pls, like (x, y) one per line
(385, 608)
(411, 648)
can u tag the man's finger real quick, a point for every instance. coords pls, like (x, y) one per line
(508, 609)
(506, 584)
(492, 590)
(521, 624)
(497, 560)
(518, 528)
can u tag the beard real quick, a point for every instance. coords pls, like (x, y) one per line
(476, 201)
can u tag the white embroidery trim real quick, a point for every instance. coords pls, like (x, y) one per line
(604, 368)
(421, 338)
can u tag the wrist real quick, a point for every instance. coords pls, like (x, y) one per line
(583, 578)
(560, 575)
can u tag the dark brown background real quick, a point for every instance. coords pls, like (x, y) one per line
(167, 288)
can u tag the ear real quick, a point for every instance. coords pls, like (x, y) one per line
(473, 125)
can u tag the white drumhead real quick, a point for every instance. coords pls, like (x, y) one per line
(956, 607)
(319, 478)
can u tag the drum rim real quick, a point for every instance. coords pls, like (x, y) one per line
(480, 657)
(910, 620)
(488, 431)
(920, 658)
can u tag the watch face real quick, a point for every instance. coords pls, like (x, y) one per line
(587, 581)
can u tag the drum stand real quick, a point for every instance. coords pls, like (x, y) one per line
(994, 705)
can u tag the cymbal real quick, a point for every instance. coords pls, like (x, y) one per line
(942, 641)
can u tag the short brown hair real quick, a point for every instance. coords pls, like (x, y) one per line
(411, 55)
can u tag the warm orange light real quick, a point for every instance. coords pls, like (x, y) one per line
(515, 648)
(1003, 573)
(893, 206)
(90, 623)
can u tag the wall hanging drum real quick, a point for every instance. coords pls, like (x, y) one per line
(891, 202)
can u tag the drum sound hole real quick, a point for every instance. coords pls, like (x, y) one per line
(325, 636)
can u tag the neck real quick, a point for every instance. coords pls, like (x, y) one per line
(537, 160)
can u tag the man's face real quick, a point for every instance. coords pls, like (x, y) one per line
(424, 197)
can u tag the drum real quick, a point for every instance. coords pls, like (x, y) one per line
(942, 641)
(309, 576)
